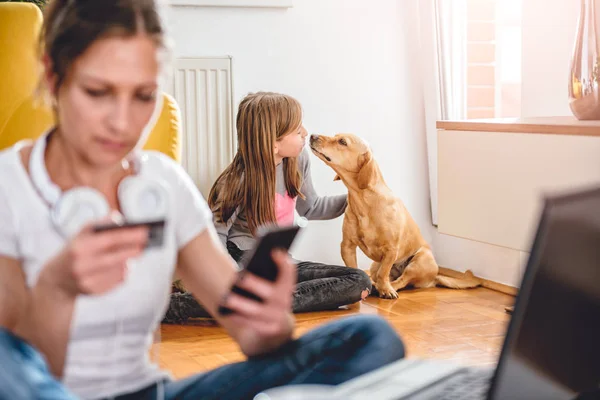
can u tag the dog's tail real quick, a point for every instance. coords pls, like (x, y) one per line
(467, 282)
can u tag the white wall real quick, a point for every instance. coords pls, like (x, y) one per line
(549, 29)
(495, 263)
(353, 66)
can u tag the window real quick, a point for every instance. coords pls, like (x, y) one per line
(493, 58)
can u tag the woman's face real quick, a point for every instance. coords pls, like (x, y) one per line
(291, 144)
(107, 98)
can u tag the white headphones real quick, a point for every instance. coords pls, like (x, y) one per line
(141, 198)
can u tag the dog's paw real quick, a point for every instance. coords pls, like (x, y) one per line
(387, 292)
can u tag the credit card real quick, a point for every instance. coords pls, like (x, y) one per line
(156, 230)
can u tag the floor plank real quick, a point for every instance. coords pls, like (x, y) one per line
(464, 326)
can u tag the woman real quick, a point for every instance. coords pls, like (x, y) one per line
(89, 300)
(268, 179)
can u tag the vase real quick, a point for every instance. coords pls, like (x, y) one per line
(584, 90)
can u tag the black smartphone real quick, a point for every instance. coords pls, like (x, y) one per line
(156, 230)
(261, 263)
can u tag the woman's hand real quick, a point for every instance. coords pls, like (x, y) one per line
(209, 273)
(94, 263)
(271, 321)
(90, 263)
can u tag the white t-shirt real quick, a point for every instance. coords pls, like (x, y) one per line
(110, 335)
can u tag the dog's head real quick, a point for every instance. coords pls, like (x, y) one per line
(348, 155)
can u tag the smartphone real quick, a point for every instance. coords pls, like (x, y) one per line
(261, 263)
(156, 230)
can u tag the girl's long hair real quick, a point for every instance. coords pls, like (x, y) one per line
(249, 181)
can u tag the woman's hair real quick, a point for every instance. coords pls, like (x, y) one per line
(71, 26)
(249, 181)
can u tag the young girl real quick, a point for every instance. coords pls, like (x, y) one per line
(90, 300)
(268, 179)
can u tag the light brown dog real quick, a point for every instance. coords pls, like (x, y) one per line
(378, 223)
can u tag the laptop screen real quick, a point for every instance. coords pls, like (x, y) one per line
(552, 350)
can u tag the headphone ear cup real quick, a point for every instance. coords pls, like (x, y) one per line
(78, 207)
(143, 199)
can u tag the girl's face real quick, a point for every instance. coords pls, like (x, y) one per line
(107, 98)
(291, 144)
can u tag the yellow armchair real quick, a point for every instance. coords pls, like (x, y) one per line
(23, 115)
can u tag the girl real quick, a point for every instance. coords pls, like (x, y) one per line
(89, 300)
(268, 179)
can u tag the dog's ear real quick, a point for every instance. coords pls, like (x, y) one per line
(368, 171)
(336, 177)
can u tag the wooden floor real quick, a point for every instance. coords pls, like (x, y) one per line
(465, 326)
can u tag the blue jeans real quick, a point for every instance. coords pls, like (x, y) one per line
(24, 374)
(331, 354)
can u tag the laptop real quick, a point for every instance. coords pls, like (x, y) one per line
(552, 347)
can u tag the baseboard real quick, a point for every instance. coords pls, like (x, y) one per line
(499, 287)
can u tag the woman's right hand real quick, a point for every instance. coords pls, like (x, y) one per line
(95, 262)
(262, 326)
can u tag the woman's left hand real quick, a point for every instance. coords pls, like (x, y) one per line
(264, 326)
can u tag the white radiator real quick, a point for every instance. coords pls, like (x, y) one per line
(203, 89)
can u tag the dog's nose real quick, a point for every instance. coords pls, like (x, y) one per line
(314, 138)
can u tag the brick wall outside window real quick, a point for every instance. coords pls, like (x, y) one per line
(493, 58)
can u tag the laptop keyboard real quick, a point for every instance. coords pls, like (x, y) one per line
(473, 384)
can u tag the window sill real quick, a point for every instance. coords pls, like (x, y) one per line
(567, 125)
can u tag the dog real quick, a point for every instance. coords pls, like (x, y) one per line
(378, 222)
